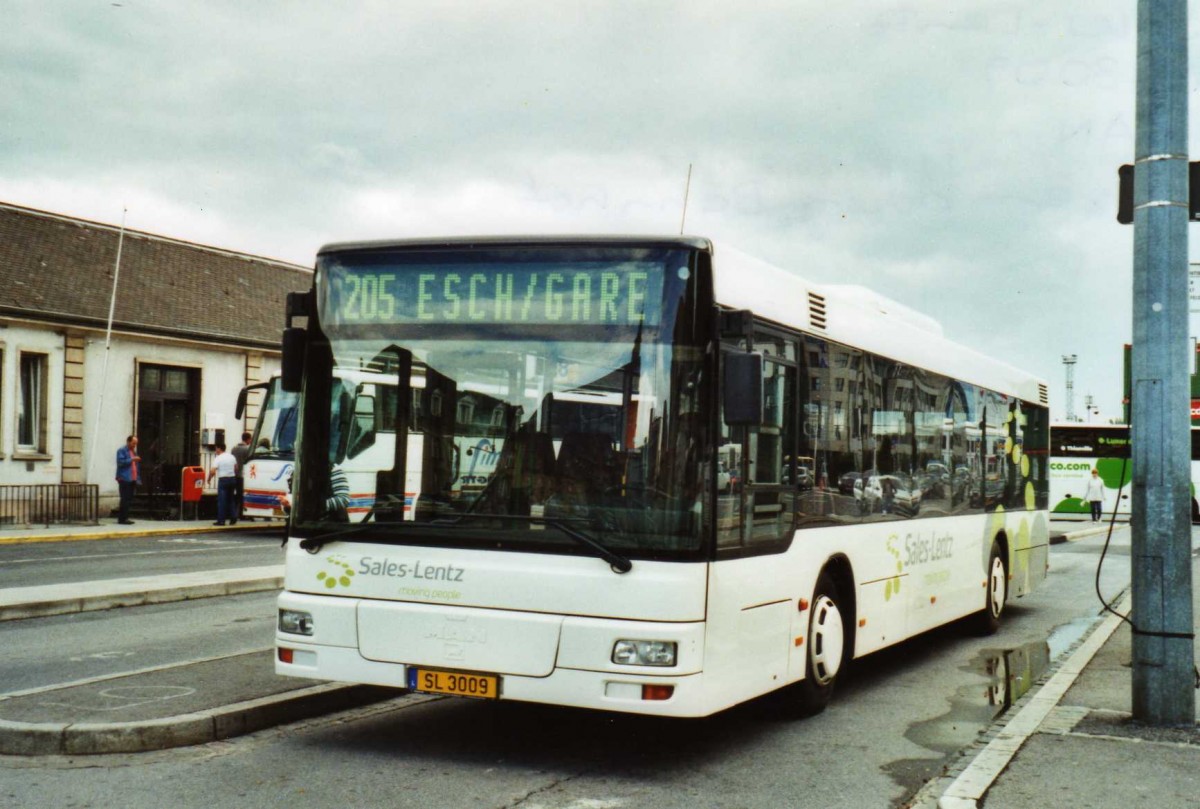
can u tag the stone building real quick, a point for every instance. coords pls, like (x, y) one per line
(191, 325)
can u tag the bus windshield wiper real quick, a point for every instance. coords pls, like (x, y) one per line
(616, 561)
(315, 543)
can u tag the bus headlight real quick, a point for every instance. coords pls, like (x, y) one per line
(644, 652)
(295, 622)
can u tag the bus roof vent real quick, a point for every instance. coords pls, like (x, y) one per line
(1043, 394)
(816, 310)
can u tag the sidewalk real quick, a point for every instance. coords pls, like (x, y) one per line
(1072, 741)
(109, 529)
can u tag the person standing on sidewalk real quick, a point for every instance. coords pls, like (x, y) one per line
(1095, 495)
(224, 469)
(241, 454)
(128, 477)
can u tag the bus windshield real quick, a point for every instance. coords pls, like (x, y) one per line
(275, 432)
(546, 394)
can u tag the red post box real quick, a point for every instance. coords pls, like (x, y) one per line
(193, 483)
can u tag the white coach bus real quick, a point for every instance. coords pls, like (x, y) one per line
(708, 479)
(1077, 449)
(272, 449)
(362, 436)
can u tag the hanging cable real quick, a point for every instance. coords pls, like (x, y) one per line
(1112, 520)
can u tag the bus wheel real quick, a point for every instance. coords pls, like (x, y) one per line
(988, 619)
(826, 650)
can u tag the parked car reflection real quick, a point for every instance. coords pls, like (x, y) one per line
(895, 493)
(847, 480)
(938, 478)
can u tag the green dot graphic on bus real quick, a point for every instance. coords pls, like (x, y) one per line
(1021, 557)
(892, 586)
(1111, 469)
(996, 523)
(337, 577)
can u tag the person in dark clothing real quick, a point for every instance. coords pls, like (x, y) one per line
(241, 454)
(128, 477)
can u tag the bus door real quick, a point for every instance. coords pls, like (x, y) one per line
(756, 516)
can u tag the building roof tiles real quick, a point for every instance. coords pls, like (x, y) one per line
(60, 269)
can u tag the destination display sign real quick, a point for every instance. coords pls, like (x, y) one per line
(568, 294)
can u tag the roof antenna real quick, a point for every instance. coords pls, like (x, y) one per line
(687, 188)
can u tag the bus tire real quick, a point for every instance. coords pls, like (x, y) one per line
(828, 637)
(987, 620)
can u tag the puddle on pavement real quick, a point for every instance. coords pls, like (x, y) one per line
(1006, 676)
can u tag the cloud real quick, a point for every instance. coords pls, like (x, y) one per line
(960, 159)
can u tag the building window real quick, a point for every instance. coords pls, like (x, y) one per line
(31, 403)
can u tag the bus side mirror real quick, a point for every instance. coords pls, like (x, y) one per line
(741, 394)
(291, 366)
(362, 428)
(241, 405)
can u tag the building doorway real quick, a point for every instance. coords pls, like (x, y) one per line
(168, 425)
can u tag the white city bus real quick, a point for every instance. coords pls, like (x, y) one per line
(1077, 449)
(708, 479)
(272, 449)
(362, 438)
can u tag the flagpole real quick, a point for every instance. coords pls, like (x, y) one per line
(112, 305)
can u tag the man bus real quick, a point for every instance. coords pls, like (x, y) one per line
(607, 561)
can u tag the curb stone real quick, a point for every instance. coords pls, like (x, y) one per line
(46, 739)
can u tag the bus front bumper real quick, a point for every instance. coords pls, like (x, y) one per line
(673, 695)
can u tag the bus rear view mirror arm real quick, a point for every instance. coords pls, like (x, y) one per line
(291, 366)
(742, 394)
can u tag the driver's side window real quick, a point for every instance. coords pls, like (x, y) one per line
(760, 473)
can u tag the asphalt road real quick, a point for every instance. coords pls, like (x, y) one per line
(64, 649)
(902, 716)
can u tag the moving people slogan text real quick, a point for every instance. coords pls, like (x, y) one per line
(594, 294)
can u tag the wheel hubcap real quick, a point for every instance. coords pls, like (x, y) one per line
(828, 641)
(997, 588)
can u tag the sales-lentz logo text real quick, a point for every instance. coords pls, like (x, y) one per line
(369, 566)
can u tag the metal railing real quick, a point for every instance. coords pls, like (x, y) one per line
(48, 503)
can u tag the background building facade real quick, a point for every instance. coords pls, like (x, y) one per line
(191, 325)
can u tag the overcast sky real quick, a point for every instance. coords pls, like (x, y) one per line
(958, 157)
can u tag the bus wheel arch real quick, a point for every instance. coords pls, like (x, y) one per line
(995, 586)
(839, 570)
(829, 640)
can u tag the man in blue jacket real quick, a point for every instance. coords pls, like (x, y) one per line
(127, 477)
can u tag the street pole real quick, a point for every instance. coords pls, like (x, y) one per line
(93, 449)
(1163, 679)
